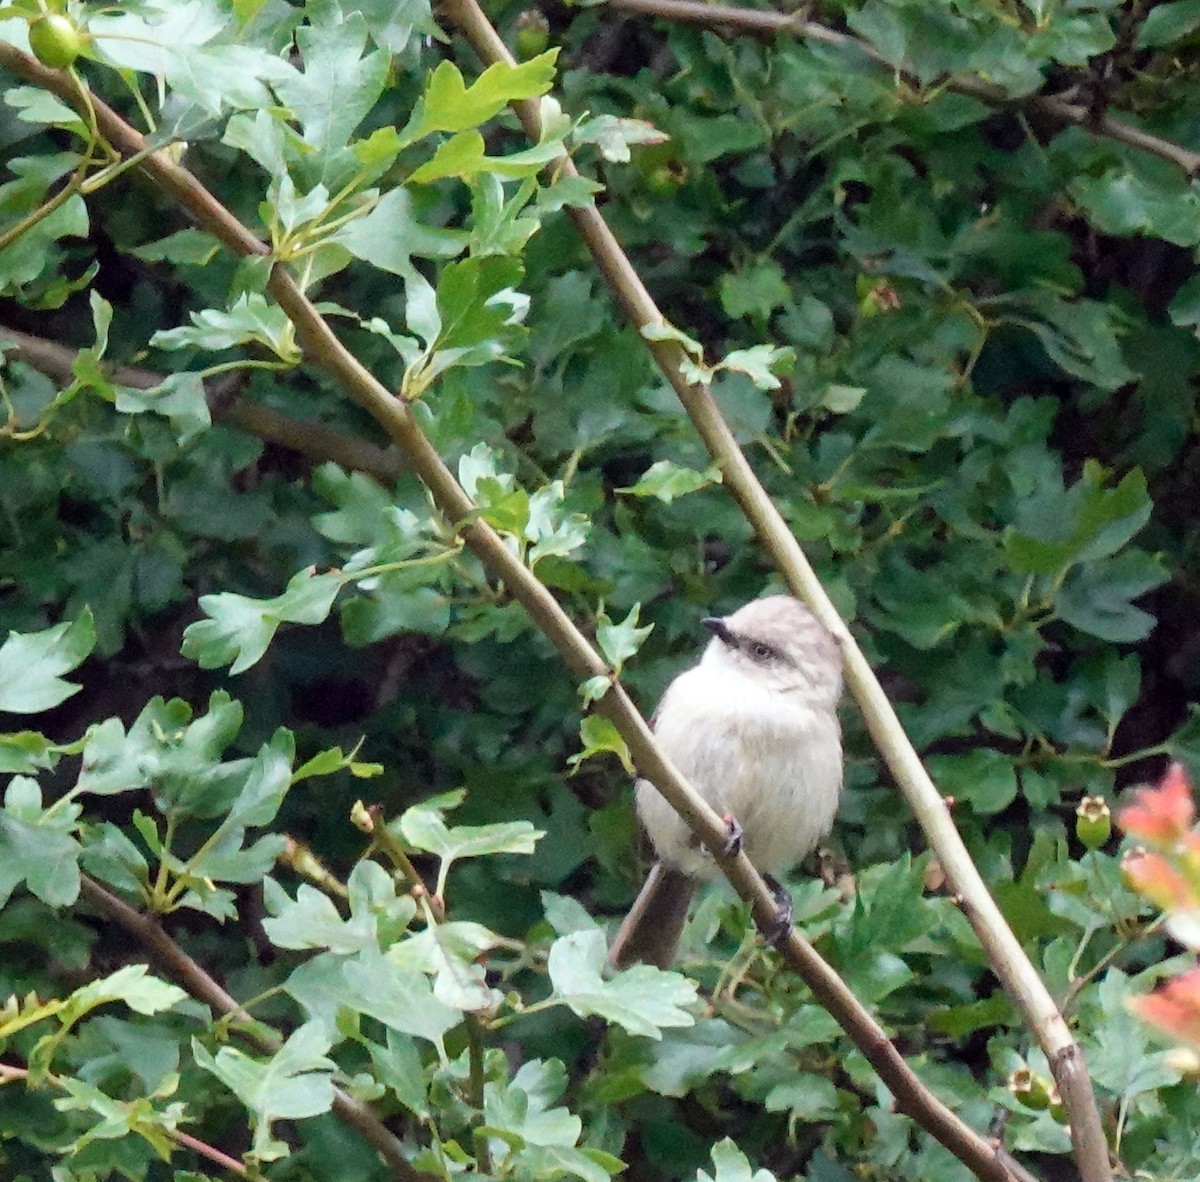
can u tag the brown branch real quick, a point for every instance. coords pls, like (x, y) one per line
(314, 440)
(186, 972)
(760, 23)
(1004, 951)
(321, 345)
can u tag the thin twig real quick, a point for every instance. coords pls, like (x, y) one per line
(314, 440)
(982, 1156)
(186, 972)
(761, 23)
(9, 1072)
(1004, 951)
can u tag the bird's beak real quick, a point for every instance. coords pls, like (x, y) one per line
(720, 628)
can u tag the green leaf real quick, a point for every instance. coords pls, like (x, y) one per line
(759, 363)
(296, 1082)
(1080, 336)
(667, 481)
(340, 84)
(377, 914)
(450, 953)
(391, 234)
(38, 846)
(399, 998)
(619, 642)
(239, 629)
(756, 291)
(450, 105)
(599, 735)
(730, 1164)
(463, 156)
(1166, 23)
(190, 247)
(1097, 598)
(613, 135)
(423, 828)
(806, 1097)
(983, 778)
(180, 399)
(27, 751)
(1121, 203)
(251, 319)
(1056, 528)
(31, 665)
(132, 985)
(642, 1000)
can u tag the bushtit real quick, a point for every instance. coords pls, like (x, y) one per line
(753, 727)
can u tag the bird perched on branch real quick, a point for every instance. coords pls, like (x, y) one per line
(753, 728)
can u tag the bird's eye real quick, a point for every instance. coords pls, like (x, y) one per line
(761, 652)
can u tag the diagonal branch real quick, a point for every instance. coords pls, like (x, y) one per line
(985, 1158)
(1060, 111)
(314, 440)
(1007, 957)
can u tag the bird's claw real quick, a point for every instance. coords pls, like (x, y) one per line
(776, 928)
(733, 842)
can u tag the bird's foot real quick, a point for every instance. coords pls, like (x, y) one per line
(776, 928)
(733, 842)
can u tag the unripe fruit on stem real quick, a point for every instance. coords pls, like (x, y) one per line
(1093, 822)
(55, 40)
(533, 34)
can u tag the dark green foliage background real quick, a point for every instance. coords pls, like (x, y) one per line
(987, 445)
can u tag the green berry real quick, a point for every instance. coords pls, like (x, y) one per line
(533, 34)
(1093, 822)
(55, 41)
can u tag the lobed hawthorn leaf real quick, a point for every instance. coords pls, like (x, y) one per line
(179, 398)
(340, 85)
(38, 846)
(642, 1000)
(463, 156)
(32, 664)
(27, 751)
(619, 642)
(250, 320)
(403, 1000)
(598, 735)
(448, 104)
(531, 1137)
(1057, 528)
(1098, 598)
(730, 1164)
(175, 40)
(390, 235)
(613, 135)
(378, 916)
(239, 629)
(1123, 204)
(424, 829)
(667, 481)
(450, 954)
(295, 1082)
(165, 746)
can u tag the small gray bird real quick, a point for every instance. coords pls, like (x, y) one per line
(753, 727)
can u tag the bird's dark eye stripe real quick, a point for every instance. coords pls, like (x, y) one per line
(760, 650)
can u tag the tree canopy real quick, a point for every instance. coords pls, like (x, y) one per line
(389, 392)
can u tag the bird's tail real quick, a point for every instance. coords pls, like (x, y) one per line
(651, 931)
